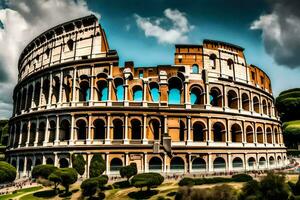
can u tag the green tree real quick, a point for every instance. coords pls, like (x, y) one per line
(56, 179)
(79, 163)
(128, 171)
(67, 176)
(42, 171)
(148, 180)
(89, 187)
(97, 166)
(7, 172)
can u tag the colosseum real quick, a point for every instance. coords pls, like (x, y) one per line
(208, 112)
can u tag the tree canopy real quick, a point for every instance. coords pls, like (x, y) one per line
(42, 171)
(97, 166)
(7, 172)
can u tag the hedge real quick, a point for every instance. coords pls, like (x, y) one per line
(147, 180)
(7, 172)
(42, 171)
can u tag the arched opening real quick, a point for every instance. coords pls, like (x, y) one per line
(52, 130)
(262, 163)
(237, 163)
(198, 164)
(65, 130)
(218, 132)
(269, 136)
(21, 165)
(29, 97)
(175, 86)
(212, 60)
(81, 129)
(198, 132)
(84, 88)
(38, 162)
(154, 90)
(118, 129)
(32, 134)
(265, 107)
(102, 90)
(14, 163)
(236, 133)
(63, 163)
(49, 161)
(119, 89)
(155, 164)
(177, 164)
(269, 108)
(18, 131)
(55, 90)
(29, 165)
(115, 164)
(155, 129)
(232, 99)
(99, 131)
(136, 129)
(279, 161)
(67, 88)
(276, 135)
(195, 69)
(219, 164)
(37, 91)
(272, 161)
(137, 93)
(256, 104)
(46, 86)
(245, 102)
(215, 97)
(260, 135)
(230, 64)
(251, 163)
(181, 131)
(249, 134)
(196, 96)
(42, 132)
(24, 134)
(70, 44)
(23, 99)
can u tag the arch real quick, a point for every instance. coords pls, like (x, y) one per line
(199, 164)
(67, 88)
(256, 104)
(99, 131)
(260, 135)
(232, 99)
(14, 163)
(49, 161)
(196, 96)
(237, 162)
(195, 69)
(177, 164)
(265, 107)
(181, 131)
(84, 88)
(45, 90)
(245, 102)
(70, 44)
(119, 89)
(115, 164)
(137, 93)
(249, 134)
(55, 89)
(38, 162)
(24, 134)
(37, 90)
(155, 164)
(262, 162)
(269, 135)
(29, 97)
(269, 108)
(272, 161)
(276, 135)
(23, 99)
(251, 162)
(198, 132)
(279, 160)
(63, 163)
(65, 130)
(154, 91)
(21, 165)
(218, 132)
(18, 131)
(52, 129)
(42, 132)
(219, 164)
(136, 129)
(32, 134)
(118, 129)
(175, 87)
(81, 129)
(230, 63)
(215, 96)
(155, 128)
(236, 133)
(212, 59)
(29, 165)
(102, 91)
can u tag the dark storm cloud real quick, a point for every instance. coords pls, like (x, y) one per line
(281, 32)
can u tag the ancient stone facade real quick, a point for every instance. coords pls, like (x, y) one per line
(210, 111)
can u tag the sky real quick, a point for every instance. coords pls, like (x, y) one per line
(146, 31)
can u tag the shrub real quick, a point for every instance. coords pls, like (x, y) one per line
(242, 178)
(121, 184)
(97, 166)
(89, 187)
(186, 182)
(128, 171)
(7, 172)
(68, 176)
(42, 171)
(56, 179)
(148, 180)
(79, 163)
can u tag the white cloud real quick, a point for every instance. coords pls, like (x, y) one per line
(23, 21)
(177, 33)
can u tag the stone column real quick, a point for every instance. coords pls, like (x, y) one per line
(126, 103)
(24, 173)
(43, 159)
(107, 140)
(56, 141)
(50, 90)
(165, 169)
(60, 88)
(17, 167)
(186, 99)
(210, 163)
(21, 134)
(37, 133)
(126, 158)
(126, 141)
(71, 141)
(46, 139)
(189, 140)
(145, 140)
(229, 162)
(56, 163)
(88, 140)
(190, 163)
(145, 83)
(28, 133)
(146, 168)
(107, 163)
(41, 91)
(109, 92)
(74, 86)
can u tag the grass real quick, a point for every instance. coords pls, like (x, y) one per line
(20, 192)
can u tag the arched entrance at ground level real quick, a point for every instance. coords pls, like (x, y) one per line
(21, 165)
(49, 161)
(251, 163)
(279, 161)
(271, 161)
(63, 163)
(219, 164)
(262, 163)
(198, 164)
(237, 163)
(155, 164)
(38, 162)
(29, 166)
(14, 163)
(115, 164)
(177, 164)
